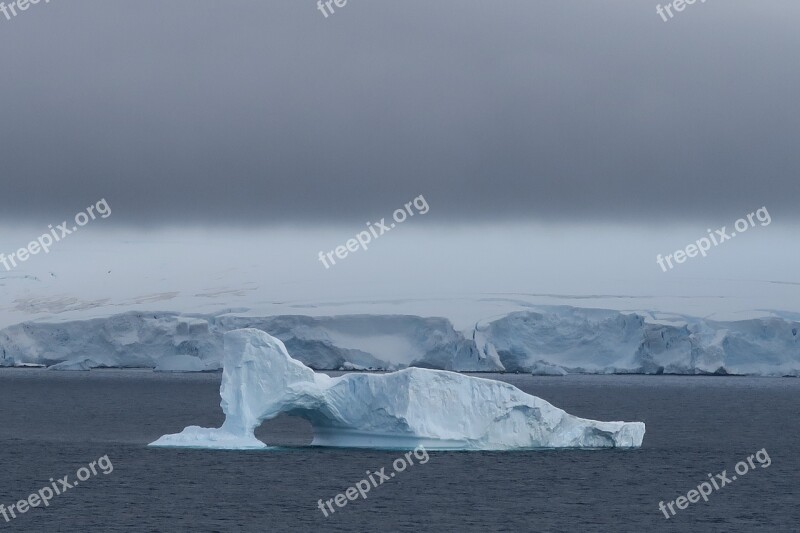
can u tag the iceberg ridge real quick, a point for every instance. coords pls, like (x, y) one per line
(438, 409)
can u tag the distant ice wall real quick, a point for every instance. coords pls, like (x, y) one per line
(603, 341)
(549, 340)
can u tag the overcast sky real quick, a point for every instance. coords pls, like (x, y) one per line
(193, 111)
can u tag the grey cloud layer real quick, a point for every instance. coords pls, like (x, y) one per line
(266, 111)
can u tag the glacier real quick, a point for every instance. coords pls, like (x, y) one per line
(544, 340)
(437, 409)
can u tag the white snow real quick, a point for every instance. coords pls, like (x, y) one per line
(509, 298)
(403, 409)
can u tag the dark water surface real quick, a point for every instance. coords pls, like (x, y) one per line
(54, 423)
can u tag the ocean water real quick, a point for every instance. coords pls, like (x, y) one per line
(55, 423)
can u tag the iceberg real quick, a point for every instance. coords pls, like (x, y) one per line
(540, 340)
(438, 409)
(542, 368)
(601, 341)
(79, 365)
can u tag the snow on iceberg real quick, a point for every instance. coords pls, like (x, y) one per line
(438, 409)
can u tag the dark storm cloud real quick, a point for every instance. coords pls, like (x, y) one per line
(204, 111)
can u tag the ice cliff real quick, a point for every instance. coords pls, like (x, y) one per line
(544, 340)
(403, 409)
